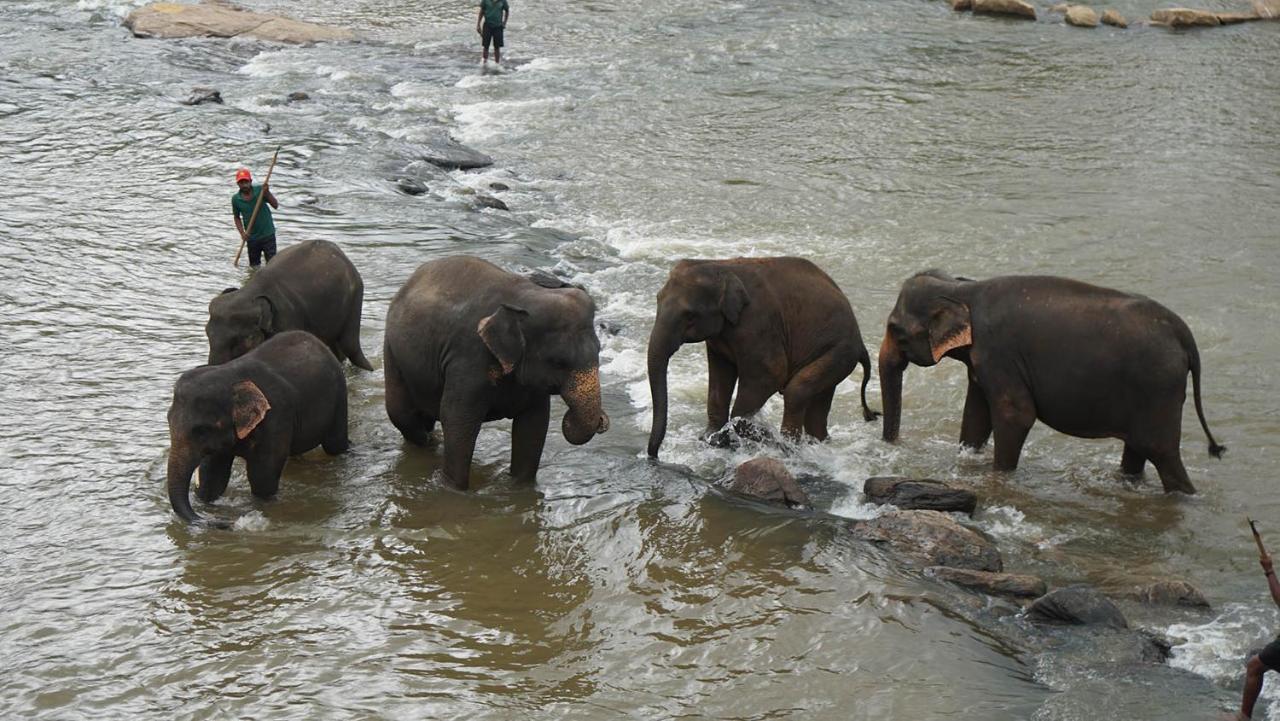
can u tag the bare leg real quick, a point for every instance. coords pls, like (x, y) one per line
(528, 436)
(1253, 672)
(975, 428)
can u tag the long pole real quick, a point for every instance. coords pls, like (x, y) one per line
(256, 207)
(1262, 552)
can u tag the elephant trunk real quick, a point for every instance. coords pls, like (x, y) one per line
(182, 464)
(586, 417)
(892, 363)
(663, 343)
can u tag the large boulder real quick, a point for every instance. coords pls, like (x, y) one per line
(1114, 19)
(933, 538)
(1014, 8)
(995, 584)
(224, 20)
(1076, 606)
(1082, 16)
(766, 479)
(1184, 18)
(923, 494)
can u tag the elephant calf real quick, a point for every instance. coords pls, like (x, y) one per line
(1090, 362)
(771, 325)
(282, 398)
(468, 342)
(309, 286)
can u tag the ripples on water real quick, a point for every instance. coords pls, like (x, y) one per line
(877, 139)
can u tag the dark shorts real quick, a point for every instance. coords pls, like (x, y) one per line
(264, 247)
(492, 34)
(1270, 655)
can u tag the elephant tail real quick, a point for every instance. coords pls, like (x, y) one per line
(865, 362)
(1193, 355)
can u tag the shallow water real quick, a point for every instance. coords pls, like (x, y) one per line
(876, 139)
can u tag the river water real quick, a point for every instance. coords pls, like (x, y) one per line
(876, 139)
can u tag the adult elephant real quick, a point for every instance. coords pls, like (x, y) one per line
(1090, 362)
(309, 286)
(282, 398)
(771, 325)
(468, 342)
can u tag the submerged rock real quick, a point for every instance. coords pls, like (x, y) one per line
(488, 201)
(224, 20)
(1013, 8)
(1114, 19)
(1171, 592)
(933, 538)
(201, 95)
(499, 187)
(298, 96)
(996, 584)
(1082, 16)
(923, 494)
(1076, 606)
(1184, 18)
(766, 479)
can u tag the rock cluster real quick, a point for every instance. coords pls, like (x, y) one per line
(1086, 17)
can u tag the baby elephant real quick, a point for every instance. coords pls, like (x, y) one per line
(310, 286)
(282, 398)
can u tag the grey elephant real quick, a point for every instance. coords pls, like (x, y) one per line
(309, 286)
(467, 342)
(282, 398)
(1088, 361)
(771, 325)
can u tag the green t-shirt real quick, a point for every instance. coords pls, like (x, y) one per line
(492, 10)
(263, 226)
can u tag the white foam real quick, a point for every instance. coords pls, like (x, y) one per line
(119, 8)
(1217, 649)
(251, 521)
(499, 118)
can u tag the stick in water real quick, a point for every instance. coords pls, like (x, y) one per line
(256, 207)
(1262, 552)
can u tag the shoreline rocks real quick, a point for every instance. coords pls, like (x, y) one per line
(223, 20)
(1081, 16)
(1010, 8)
(923, 494)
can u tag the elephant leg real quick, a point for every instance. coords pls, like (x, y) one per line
(335, 439)
(722, 376)
(1173, 475)
(528, 436)
(751, 398)
(975, 428)
(815, 420)
(1011, 419)
(1133, 461)
(414, 426)
(818, 378)
(215, 474)
(264, 467)
(459, 447)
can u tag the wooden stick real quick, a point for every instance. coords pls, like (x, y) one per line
(1262, 552)
(256, 207)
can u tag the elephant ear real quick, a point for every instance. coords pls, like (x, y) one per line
(502, 335)
(266, 316)
(248, 407)
(733, 297)
(949, 327)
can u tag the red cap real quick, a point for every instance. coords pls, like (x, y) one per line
(243, 174)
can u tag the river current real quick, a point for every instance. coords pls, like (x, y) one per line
(875, 138)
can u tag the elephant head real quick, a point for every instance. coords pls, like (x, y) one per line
(208, 417)
(237, 324)
(699, 301)
(930, 320)
(552, 345)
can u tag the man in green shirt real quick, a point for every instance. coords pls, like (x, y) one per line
(261, 238)
(490, 22)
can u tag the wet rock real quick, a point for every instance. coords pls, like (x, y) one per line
(1082, 16)
(1184, 18)
(924, 494)
(499, 187)
(1114, 19)
(488, 201)
(1012, 8)
(411, 186)
(1060, 8)
(444, 152)
(933, 538)
(766, 479)
(1234, 18)
(1155, 647)
(1076, 606)
(608, 327)
(298, 97)
(961, 5)
(995, 584)
(224, 20)
(201, 95)
(1171, 592)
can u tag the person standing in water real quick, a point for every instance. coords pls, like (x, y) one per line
(490, 22)
(1268, 659)
(261, 238)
